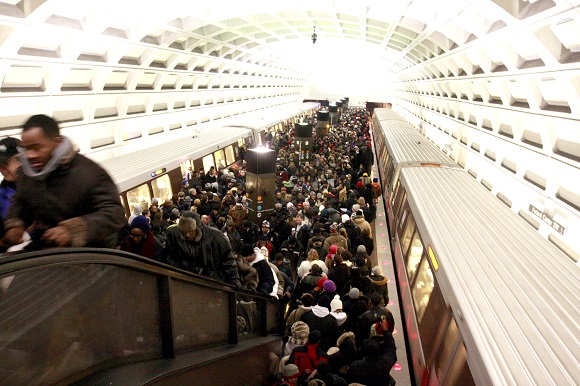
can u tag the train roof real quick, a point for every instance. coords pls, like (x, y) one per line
(407, 145)
(515, 292)
(135, 168)
(383, 114)
(261, 120)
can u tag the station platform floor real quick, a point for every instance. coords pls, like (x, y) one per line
(382, 257)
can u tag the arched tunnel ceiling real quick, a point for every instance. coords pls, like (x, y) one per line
(402, 33)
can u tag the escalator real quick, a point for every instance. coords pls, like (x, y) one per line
(97, 316)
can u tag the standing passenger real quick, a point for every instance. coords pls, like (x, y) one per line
(200, 249)
(79, 203)
(9, 164)
(141, 240)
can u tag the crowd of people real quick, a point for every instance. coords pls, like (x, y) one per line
(314, 251)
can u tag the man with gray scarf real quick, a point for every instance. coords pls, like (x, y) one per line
(62, 198)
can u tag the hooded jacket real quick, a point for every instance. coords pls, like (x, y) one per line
(335, 239)
(267, 283)
(361, 223)
(380, 285)
(346, 354)
(319, 318)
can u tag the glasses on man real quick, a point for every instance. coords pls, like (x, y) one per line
(137, 234)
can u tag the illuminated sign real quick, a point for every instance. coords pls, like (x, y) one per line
(433, 258)
(548, 220)
(158, 172)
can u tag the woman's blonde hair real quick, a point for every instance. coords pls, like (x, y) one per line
(312, 255)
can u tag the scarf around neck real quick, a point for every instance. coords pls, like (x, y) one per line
(59, 154)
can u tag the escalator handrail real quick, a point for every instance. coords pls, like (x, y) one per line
(12, 263)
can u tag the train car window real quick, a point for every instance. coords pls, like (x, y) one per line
(407, 234)
(236, 147)
(162, 187)
(241, 141)
(414, 256)
(185, 165)
(208, 162)
(398, 198)
(434, 322)
(230, 155)
(389, 174)
(423, 288)
(220, 158)
(395, 192)
(140, 195)
(446, 348)
(123, 202)
(399, 203)
(458, 372)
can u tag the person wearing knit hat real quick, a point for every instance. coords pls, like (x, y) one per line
(299, 337)
(336, 310)
(291, 372)
(354, 293)
(141, 240)
(329, 287)
(379, 283)
(305, 304)
(308, 357)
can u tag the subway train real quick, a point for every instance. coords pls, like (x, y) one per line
(399, 145)
(533, 189)
(158, 171)
(486, 300)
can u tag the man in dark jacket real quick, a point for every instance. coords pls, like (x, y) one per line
(353, 233)
(380, 284)
(293, 252)
(339, 273)
(200, 249)
(374, 368)
(71, 200)
(375, 314)
(249, 232)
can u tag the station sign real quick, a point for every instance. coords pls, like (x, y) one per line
(547, 219)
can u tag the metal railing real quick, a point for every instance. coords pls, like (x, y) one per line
(68, 313)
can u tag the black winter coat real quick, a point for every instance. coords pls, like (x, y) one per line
(327, 326)
(340, 275)
(347, 352)
(216, 260)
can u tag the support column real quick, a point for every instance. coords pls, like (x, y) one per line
(303, 142)
(260, 183)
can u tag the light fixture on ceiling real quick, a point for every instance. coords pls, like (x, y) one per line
(314, 35)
